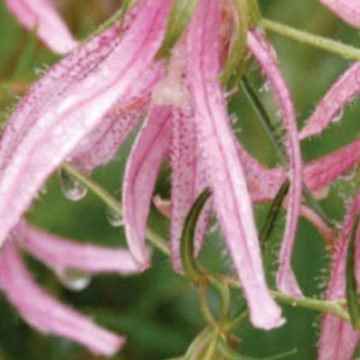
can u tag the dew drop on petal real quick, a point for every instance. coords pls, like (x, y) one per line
(337, 117)
(114, 218)
(74, 280)
(71, 188)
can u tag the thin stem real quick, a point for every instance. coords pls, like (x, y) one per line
(346, 51)
(114, 204)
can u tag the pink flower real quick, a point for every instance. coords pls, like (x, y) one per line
(40, 15)
(83, 109)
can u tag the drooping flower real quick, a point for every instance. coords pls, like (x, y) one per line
(85, 106)
(61, 255)
(42, 17)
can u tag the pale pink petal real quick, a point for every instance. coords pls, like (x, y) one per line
(54, 135)
(40, 15)
(326, 169)
(226, 176)
(348, 10)
(341, 93)
(61, 254)
(338, 340)
(264, 54)
(143, 165)
(188, 180)
(47, 314)
(101, 145)
(163, 206)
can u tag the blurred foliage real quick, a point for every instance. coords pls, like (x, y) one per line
(158, 310)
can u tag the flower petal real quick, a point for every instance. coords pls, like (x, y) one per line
(348, 10)
(188, 180)
(47, 314)
(143, 165)
(101, 145)
(42, 16)
(226, 176)
(342, 92)
(338, 340)
(264, 54)
(61, 254)
(54, 135)
(326, 169)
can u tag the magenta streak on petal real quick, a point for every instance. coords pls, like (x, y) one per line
(348, 10)
(226, 176)
(47, 314)
(61, 254)
(143, 165)
(56, 133)
(337, 338)
(188, 179)
(264, 54)
(42, 16)
(341, 93)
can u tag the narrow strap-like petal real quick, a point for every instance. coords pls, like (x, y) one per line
(143, 165)
(40, 15)
(47, 314)
(326, 169)
(226, 177)
(338, 340)
(264, 54)
(341, 93)
(55, 134)
(348, 10)
(62, 254)
(188, 179)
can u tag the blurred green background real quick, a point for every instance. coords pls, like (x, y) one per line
(158, 311)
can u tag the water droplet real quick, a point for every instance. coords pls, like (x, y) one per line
(337, 117)
(73, 280)
(114, 218)
(71, 188)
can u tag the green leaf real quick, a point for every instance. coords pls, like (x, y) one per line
(179, 18)
(191, 268)
(235, 59)
(352, 295)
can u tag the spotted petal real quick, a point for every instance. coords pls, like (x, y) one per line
(54, 134)
(226, 177)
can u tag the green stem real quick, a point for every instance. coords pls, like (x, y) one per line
(346, 51)
(331, 307)
(113, 204)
